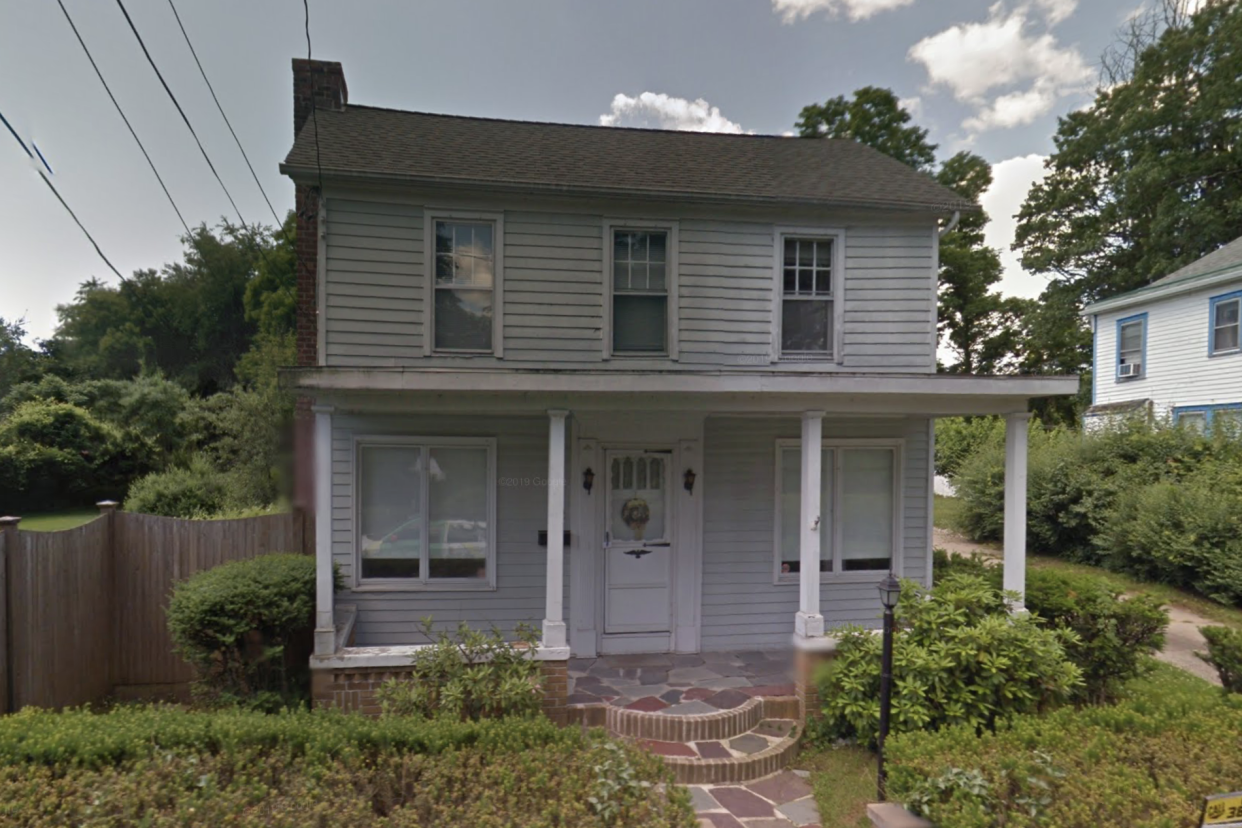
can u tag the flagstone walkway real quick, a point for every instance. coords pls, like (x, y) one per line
(782, 800)
(680, 685)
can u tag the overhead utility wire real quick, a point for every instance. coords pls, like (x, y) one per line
(121, 112)
(181, 111)
(314, 116)
(222, 115)
(52, 187)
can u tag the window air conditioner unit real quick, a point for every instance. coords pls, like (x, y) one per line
(1130, 369)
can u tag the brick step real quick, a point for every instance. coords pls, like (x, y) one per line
(762, 750)
(665, 727)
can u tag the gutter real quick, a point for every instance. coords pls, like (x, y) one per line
(1151, 293)
(949, 228)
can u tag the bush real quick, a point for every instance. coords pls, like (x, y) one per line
(192, 491)
(1225, 654)
(1146, 762)
(246, 626)
(958, 438)
(945, 565)
(470, 676)
(163, 766)
(959, 658)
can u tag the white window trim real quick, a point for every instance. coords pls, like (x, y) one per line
(671, 228)
(430, 217)
(837, 575)
(425, 584)
(837, 236)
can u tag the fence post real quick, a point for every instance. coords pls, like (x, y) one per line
(8, 549)
(107, 510)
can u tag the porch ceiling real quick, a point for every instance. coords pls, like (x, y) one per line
(516, 390)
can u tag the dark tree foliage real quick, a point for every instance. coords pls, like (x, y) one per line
(873, 117)
(18, 361)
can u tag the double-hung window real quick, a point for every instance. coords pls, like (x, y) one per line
(807, 298)
(425, 512)
(1131, 346)
(465, 285)
(643, 282)
(858, 513)
(1226, 313)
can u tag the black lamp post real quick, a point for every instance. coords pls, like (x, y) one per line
(890, 591)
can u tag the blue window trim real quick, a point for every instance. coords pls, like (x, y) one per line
(1138, 317)
(1208, 411)
(1212, 303)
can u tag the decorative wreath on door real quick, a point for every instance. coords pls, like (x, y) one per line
(636, 513)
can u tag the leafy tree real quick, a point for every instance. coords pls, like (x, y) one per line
(979, 325)
(18, 361)
(1145, 180)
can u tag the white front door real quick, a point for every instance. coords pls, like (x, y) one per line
(638, 548)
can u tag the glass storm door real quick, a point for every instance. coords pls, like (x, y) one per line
(638, 542)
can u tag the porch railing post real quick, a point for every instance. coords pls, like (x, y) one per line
(809, 622)
(1014, 579)
(325, 625)
(554, 631)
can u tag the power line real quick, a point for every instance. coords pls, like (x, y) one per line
(222, 115)
(72, 215)
(121, 112)
(314, 116)
(181, 111)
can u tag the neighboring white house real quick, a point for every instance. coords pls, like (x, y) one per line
(1171, 349)
(650, 391)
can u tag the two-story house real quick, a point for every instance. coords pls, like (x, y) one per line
(650, 391)
(1171, 349)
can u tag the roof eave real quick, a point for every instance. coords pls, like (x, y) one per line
(1156, 292)
(310, 175)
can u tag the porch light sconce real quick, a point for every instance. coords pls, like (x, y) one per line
(890, 592)
(688, 479)
(588, 480)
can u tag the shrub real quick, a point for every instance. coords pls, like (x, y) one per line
(1225, 654)
(164, 766)
(1147, 761)
(246, 627)
(1113, 635)
(195, 490)
(945, 565)
(959, 658)
(472, 675)
(958, 438)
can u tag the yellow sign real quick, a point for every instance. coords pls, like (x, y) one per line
(1223, 811)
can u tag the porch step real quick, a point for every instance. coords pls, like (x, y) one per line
(762, 750)
(664, 727)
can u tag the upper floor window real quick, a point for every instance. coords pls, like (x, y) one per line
(1226, 312)
(465, 285)
(1131, 346)
(643, 291)
(807, 312)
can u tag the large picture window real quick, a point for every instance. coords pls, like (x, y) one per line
(858, 508)
(424, 512)
(807, 317)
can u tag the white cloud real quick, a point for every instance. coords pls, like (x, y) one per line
(1056, 10)
(660, 111)
(1011, 180)
(792, 11)
(913, 105)
(1009, 73)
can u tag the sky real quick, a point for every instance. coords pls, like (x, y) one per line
(988, 76)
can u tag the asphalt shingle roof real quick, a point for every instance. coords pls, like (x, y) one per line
(1228, 256)
(385, 143)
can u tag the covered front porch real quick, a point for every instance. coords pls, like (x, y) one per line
(719, 556)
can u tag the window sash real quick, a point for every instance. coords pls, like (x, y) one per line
(1226, 325)
(464, 269)
(839, 553)
(462, 545)
(641, 278)
(807, 271)
(1130, 338)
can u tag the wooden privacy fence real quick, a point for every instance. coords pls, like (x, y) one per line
(83, 610)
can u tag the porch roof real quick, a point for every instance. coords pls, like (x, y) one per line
(717, 391)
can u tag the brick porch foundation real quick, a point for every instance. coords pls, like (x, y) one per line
(806, 665)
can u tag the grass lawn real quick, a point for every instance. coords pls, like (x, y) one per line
(844, 782)
(55, 521)
(947, 510)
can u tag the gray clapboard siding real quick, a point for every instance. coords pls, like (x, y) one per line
(741, 605)
(553, 280)
(386, 618)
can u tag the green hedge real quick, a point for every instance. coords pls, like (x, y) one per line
(1143, 763)
(164, 767)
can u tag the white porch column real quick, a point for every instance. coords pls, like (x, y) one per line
(1016, 428)
(325, 626)
(809, 622)
(554, 634)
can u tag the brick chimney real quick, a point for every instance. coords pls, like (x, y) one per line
(323, 83)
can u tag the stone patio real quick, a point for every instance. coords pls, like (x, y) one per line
(782, 800)
(680, 685)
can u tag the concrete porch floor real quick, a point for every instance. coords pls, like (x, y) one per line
(682, 685)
